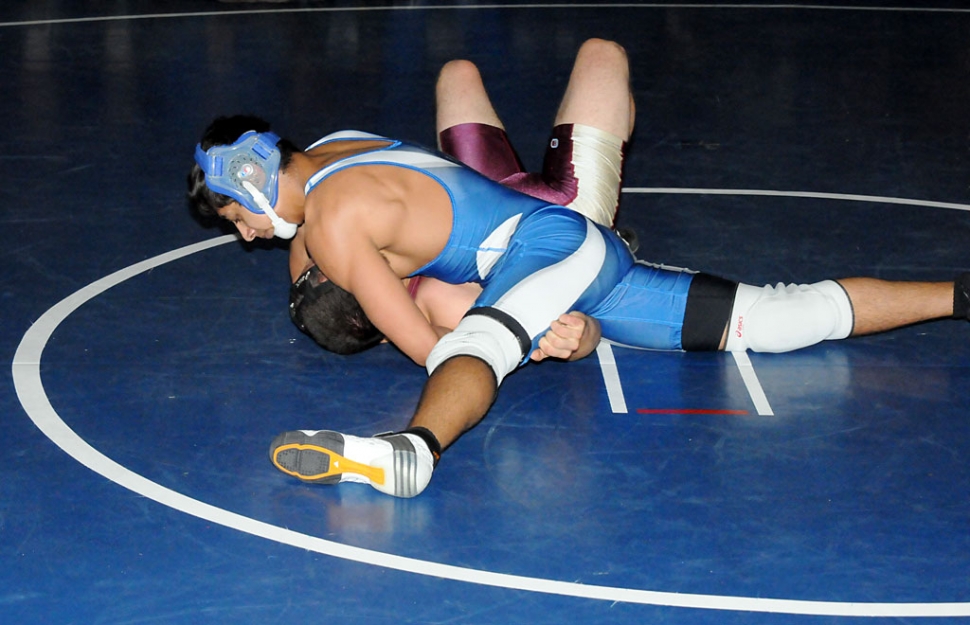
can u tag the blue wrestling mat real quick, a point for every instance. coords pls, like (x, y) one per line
(152, 360)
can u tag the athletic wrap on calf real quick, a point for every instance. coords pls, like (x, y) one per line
(487, 334)
(783, 318)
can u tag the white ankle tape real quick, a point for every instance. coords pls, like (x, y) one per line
(783, 318)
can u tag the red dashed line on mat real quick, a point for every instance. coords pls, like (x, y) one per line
(687, 411)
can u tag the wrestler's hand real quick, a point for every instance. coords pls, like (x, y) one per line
(571, 337)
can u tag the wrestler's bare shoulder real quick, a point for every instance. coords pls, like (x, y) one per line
(398, 202)
(377, 182)
(352, 206)
(371, 206)
(334, 151)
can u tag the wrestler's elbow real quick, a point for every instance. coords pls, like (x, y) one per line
(420, 351)
(421, 356)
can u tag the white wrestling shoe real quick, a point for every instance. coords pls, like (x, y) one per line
(396, 464)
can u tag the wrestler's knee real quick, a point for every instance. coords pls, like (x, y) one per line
(458, 72)
(599, 51)
(486, 334)
(788, 317)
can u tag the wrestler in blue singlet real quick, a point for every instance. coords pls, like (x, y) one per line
(534, 260)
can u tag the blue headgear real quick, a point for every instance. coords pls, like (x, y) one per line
(248, 172)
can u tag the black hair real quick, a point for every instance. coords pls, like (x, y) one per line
(330, 315)
(225, 131)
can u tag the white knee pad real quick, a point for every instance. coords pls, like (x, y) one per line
(783, 318)
(598, 166)
(483, 337)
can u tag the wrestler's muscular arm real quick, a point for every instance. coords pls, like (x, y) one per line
(352, 231)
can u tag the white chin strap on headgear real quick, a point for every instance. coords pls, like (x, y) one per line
(281, 229)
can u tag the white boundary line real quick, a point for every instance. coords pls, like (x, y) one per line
(611, 377)
(479, 7)
(751, 383)
(30, 391)
(848, 197)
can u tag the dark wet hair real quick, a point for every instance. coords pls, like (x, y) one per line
(330, 315)
(225, 131)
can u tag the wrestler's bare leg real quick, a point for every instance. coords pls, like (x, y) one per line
(598, 93)
(880, 305)
(456, 398)
(460, 97)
